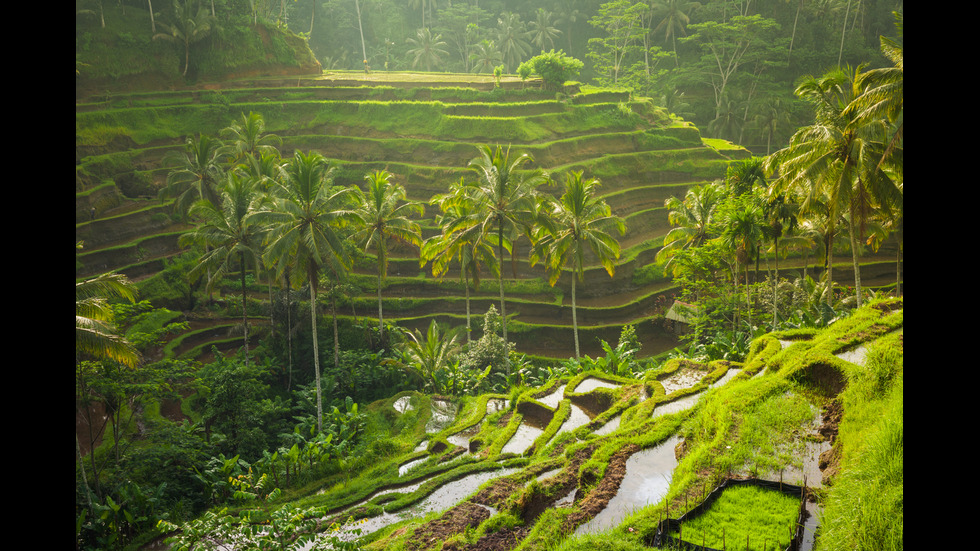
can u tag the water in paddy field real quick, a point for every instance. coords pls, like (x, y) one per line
(590, 384)
(647, 479)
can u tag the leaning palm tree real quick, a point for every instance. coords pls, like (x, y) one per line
(304, 238)
(95, 333)
(230, 237)
(381, 215)
(504, 201)
(572, 225)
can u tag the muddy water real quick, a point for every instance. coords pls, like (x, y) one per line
(647, 479)
(576, 419)
(522, 439)
(552, 399)
(402, 404)
(855, 356)
(688, 401)
(443, 498)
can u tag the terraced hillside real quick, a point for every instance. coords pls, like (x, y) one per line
(425, 134)
(812, 421)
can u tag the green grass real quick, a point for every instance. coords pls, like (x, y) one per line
(764, 518)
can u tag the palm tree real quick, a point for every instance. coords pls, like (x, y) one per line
(304, 234)
(742, 233)
(674, 17)
(840, 156)
(196, 173)
(512, 39)
(192, 24)
(574, 224)
(382, 214)
(95, 333)
(428, 49)
(229, 235)
(247, 139)
(692, 217)
(460, 240)
(542, 33)
(485, 56)
(504, 201)
(429, 353)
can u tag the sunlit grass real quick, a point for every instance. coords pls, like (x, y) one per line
(765, 519)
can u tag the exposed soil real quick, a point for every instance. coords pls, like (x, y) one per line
(830, 459)
(598, 498)
(454, 521)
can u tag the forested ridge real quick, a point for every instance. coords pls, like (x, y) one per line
(332, 257)
(730, 67)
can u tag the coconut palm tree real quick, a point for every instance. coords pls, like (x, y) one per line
(246, 139)
(575, 223)
(196, 173)
(504, 200)
(542, 33)
(674, 16)
(95, 333)
(692, 219)
(460, 240)
(512, 38)
(429, 353)
(429, 50)
(840, 155)
(304, 236)
(192, 24)
(230, 237)
(381, 215)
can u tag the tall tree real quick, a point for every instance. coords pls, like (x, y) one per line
(195, 174)
(839, 156)
(692, 218)
(543, 33)
(512, 40)
(381, 216)
(230, 237)
(428, 49)
(505, 201)
(574, 224)
(726, 47)
(460, 240)
(304, 235)
(673, 17)
(247, 139)
(622, 24)
(192, 23)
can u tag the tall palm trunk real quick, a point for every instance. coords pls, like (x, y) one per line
(241, 259)
(856, 260)
(316, 353)
(575, 317)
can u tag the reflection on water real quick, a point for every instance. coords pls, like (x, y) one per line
(576, 419)
(648, 476)
(552, 399)
(590, 384)
(522, 439)
(443, 498)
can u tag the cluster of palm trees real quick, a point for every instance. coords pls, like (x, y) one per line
(509, 44)
(841, 176)
(252, 209)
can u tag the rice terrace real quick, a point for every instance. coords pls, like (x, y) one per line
(530, 276)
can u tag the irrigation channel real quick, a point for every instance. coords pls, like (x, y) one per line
(646, 481)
